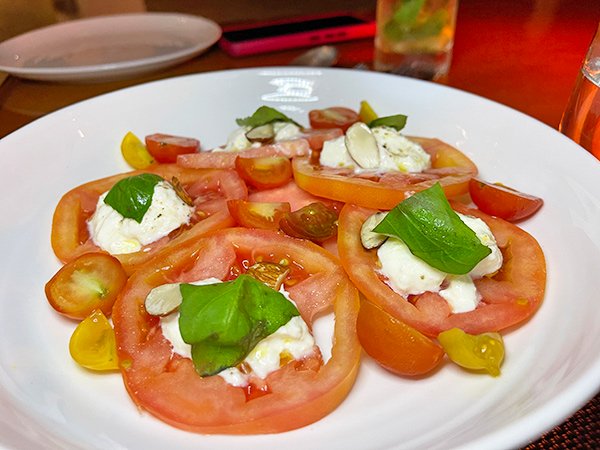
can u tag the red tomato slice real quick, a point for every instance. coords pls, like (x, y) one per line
(266, 172)
(165, 148)
(289, 193)
(316, 136)
(226, 160)
(509, 297)
(261, 215)
(300, 393)
(450, 167)
(393, 344)
(334, 117)
(89, 282)
(70, 237)
(502, 201)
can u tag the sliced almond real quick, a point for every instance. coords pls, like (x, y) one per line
(163, 300)
(272, 274)
(368, 237)
(263, 134)
(362, 146)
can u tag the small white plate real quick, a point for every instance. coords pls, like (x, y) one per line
(108, 47)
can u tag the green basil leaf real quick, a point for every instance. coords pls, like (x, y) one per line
(131, 197)
(397, 121)
(434, 232)
(262, 116)
(224, 321)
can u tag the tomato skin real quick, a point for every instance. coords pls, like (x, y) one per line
(509, 297)
(165, 147)
(502, 201)
(264, 172)
(263, 215)
(450, 167)
(333, 117)
(167, 386)
(394, 345)
(89, 282)
(70, 237)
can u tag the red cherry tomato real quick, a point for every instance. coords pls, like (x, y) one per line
(264, 172)
(501, 201)
(91, 281)
(316, 222)
(263, 215)
(334, 117)
(395, 345)
(165, 148)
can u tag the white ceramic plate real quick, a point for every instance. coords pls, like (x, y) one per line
(553, 362)
(107, 48)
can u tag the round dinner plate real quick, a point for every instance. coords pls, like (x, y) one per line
(552, 364)
(107, 48)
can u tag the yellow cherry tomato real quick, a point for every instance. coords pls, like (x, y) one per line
(93, 344)
(366, 113)
(477, 352)
(135, 152)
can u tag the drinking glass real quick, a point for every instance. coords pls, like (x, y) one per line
(415, 37)
(581, 119)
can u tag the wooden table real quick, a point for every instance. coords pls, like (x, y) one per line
(523, 53)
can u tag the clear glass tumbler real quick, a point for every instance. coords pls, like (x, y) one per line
(581, 119)
(415, 37)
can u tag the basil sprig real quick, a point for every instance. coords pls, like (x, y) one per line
(397, 121)
(223, 322)
(264, 115)
(131, 197)
(434, 232)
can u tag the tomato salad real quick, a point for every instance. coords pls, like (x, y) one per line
(216, 264)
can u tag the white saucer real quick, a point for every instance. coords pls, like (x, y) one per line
(108, 47)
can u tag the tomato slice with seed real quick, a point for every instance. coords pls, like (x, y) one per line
(263, 215)
(501, 201)
(93, 344)
(264, 172)
(395, 345)
(334, 117)
(316, 222)
(87, 283)
(165, 147)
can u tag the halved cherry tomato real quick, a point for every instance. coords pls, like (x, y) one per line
(299, 393)
(501, 201)
(70, 237)
(450, 167)
(135, 152)
(93, 345)
(263, 215)
(393, 344)
(266, 172)
(87, 283)
(509, 297)
(334, 117)
(315, 222)
(165, 148)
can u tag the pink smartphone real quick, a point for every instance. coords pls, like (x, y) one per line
(293, 33)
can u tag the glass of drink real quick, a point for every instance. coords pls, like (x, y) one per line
(581, 119)
(415, 37)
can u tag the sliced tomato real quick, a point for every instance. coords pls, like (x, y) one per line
(70, 237)
(317, 136)
(315, 222)
(265, 172)
(334, 117)
(165, 148)
(226, 159)
(393, 344)
(299, 393)
(89, 282)
(263, 215)
(92, 344)
(501, 201)
(289, 193)
(509, 297)
(450, 167)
